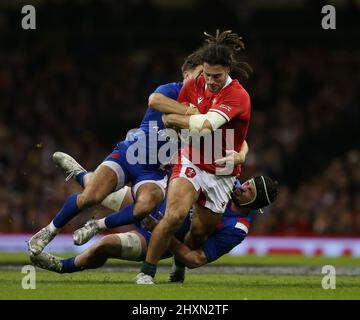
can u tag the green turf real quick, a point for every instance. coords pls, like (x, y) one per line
(120, 285)
(23, 258)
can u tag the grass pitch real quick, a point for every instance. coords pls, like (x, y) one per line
(118, 283)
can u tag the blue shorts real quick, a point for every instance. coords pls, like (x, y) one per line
(136, 173)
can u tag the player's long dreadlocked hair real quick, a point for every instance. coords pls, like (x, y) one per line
(224, 48)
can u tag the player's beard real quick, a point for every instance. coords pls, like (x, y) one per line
(214, 88)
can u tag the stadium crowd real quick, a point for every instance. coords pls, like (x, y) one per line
(82, 93)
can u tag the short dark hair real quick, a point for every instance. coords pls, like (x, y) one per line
(192, 61)
(266, 193)
(224, 49)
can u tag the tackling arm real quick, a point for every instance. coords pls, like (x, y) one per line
(240, 157)
(167, 105)
(243, 152)
(191, 258)
(234, 158)
(199, 122)
(176, 121)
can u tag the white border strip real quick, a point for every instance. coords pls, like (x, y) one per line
(309, 246)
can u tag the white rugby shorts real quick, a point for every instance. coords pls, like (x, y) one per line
(215, 191)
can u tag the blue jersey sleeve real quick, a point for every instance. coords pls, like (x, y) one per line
(222, 242)
(170, 90)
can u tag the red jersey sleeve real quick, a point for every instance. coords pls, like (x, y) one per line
(233, 104)
(184, 95)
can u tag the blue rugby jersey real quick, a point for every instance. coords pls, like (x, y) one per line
(229, 233)
(152, 126)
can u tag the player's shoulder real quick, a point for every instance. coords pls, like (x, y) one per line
(200, 81)
(239, 225)
(237, 89)
(193, 88)
(196, 83)
(170, 90)
(169, 86)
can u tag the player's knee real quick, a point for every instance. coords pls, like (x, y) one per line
(131, 246)
(87, 178)
(172, 203)
(173, 220)
(102, 248)
(148, 199)
(150, 193)
(143, 208)
(89, 199)
(176, 210)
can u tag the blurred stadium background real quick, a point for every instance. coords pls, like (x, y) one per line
(81, 80)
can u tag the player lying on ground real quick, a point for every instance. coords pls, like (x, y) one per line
(254, 194)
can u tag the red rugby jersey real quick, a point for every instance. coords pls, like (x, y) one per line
(233, 103)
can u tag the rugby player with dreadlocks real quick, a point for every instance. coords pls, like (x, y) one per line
(224, 107)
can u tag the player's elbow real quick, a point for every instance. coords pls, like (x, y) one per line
(206, 122)
(207, 126)
(155, 99)
(196, 261)
(195, 264)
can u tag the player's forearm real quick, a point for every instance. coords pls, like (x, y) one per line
(240, 156)
(244, 147)
(176, 121)
(166, 105)
(190, 258)
(205, 122)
